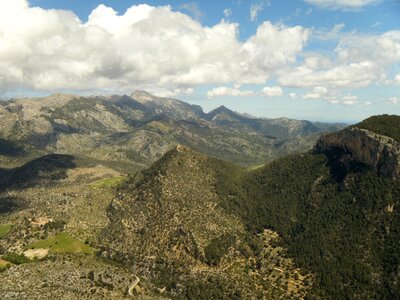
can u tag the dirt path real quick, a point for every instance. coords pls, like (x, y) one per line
(133, 285)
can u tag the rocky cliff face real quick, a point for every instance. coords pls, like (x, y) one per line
(354, 149)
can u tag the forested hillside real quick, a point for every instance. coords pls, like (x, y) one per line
(388, 125)
(343, 230)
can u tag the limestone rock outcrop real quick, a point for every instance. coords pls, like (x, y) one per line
(355, 148)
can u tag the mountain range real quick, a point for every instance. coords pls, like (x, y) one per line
(140, 197)
(136, 130)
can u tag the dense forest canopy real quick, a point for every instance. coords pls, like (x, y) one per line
(341, 231)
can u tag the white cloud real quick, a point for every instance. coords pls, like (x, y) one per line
(342, 4)
(353, 75)
(346, 100)
(227, 12)
(383, 50)
(50, 50)
(256, 8)
(322, 93)
(317, 61)
(357, 61)
(146, 46)
(226, 91)
(318, 92)
(397, 79)
(272, 46)
(172, 93)
(274, 91)
(109, 20)
(394, 100)
(293, 96)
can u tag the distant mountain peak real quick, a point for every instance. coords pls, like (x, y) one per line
(143, 96)
(222, 110)
(224, 113)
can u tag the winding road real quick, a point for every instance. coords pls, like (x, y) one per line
(133, 285)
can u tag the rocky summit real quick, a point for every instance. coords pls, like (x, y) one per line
(356, 148)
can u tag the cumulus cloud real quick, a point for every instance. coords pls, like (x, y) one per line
(293, 96)
(51, 50)
(269, 49)
(342, 4)
(357, 61)
(227, 91)
(394, 100)
(353, 75)
(156, 48)
(383, 50)
(274, 91)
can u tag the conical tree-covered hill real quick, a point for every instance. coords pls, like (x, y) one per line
(342, 230)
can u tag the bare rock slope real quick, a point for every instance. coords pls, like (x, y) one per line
(356, 148)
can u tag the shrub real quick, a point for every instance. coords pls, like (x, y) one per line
(16, 258)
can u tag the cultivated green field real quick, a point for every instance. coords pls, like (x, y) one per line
(108, 182)
(63, 243)
(4, 229)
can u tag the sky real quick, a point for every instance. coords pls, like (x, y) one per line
(325, 60)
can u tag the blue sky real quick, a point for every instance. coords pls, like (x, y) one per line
(328, 60)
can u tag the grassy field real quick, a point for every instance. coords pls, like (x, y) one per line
(4, 229)
(63, 243)
(108, 182)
